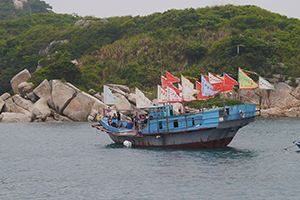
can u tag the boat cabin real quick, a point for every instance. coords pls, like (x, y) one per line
(161, 111)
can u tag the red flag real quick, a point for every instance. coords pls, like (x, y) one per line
(215, 81)
(248, 93)
(171, 78)
(169, 84)
(164, 82)
(199, 88)
(228, 80)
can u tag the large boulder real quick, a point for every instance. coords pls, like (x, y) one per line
(31, 96)
(25, 88)
(5, 96)
(124, 106)
(282, 98)
(44, 91)
(81, 106)
(11, 106)
(41, 110)
(22, 76)
(132, 98)
(61, 95)
(7, 117)
(296, 92)
(292, 112)
(119, 89)
(272, 112)
(1, 104)
(26, 104)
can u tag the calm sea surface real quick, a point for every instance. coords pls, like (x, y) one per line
(75, 161)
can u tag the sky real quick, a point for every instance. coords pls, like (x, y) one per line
(110, 8)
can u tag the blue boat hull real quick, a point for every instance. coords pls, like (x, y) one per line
(203, 130)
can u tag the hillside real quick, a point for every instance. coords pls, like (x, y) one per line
(14, 9)
(134, 50)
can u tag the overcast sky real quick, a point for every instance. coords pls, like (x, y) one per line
(109, 8)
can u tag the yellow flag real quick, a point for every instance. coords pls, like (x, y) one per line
(245, 82)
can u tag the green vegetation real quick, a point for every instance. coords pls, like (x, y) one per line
(134, 50)
(8, 10)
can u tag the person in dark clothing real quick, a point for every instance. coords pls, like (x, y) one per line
(114, 120)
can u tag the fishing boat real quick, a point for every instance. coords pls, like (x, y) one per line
(209, 128)
(297, 143)
(201, 129)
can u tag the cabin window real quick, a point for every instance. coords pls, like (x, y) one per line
(171, 111)
(160, 124)
(227, 111)
(175, 123)
(193, 121)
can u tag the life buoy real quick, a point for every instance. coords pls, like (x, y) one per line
(99, 117)
(242, 114)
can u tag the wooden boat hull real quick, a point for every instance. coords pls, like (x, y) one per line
(214, 137)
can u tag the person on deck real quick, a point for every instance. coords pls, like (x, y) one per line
(109, 120)
(119, 122)
(179, 111)
(114, 120)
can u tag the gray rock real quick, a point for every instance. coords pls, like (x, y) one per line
(44, 91)
(5, 96)
(24, 88)
(47, 50)
(87, 22)
(61, 118)
(10, 106)
(50, 120)
(22, 76)
(132, 98)
(31, 96)
(61, 95)
(120, 89)
(41, 110)
(292, 112)
(81, 106)
(1, 104)
(26, 104)
(7, 117)
(98, 96)
(124, 106)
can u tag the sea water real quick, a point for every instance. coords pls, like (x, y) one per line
(76, 161)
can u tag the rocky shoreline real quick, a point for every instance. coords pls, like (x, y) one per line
(54, 101)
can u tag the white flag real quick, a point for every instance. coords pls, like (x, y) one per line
(109, 98)
(162, 95)
(187, 88)
(264, 84)
(214, 79)
(141, 100)
(173, 97)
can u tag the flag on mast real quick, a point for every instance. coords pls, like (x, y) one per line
(171, 78)
(187, 87)
(162, 95)
(207, 88)
(215, 81)
(264, 84)
(164, 82)
(141, 100)
(199, 88)
(245, 82)
(109, 98)
(173, 97)
(228, 80)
